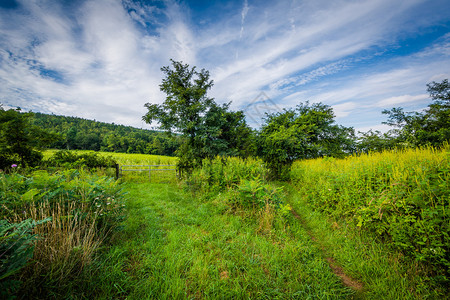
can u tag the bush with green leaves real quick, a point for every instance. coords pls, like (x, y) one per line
(84, 209)
(308, 131)
(70, 159)
(97, 193)
(256, 194)
(20, 141)
(242, 180)
(223, 173)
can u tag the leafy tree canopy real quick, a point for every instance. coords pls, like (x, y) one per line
(20, 141)
(208, 129)
(308, 131)
(430, 127)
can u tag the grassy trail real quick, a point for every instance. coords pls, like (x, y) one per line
(364, 259)
(176, 246)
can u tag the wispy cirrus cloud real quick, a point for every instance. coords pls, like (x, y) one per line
(331, 34)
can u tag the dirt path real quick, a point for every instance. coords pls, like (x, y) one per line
(334, 266)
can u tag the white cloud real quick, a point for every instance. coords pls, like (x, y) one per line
(330, 34)
(243, 15)
(109, 54)
(108, 65)
(393, 101)
(344, 109)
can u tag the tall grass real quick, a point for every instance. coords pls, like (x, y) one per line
(224, 173)
(402, 197)
(82, 210)
(66, 245)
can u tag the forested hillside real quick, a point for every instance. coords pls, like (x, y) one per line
(77, 133)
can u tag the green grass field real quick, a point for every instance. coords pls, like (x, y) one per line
(183, 247)
(357, 228)
(139, 164)
(127, 158)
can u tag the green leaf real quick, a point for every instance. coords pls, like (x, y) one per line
(30, 195)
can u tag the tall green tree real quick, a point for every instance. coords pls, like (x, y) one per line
(203, 124)
(20, 141)
(430, 127)
(308, 131)
(226, 133)
(182, 111)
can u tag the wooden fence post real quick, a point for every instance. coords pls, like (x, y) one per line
(117, 171)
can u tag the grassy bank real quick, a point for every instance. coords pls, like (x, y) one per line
(394, 202)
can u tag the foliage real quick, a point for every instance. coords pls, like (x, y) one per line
(384, 272)
(226, 133)
(71, 159)
(223, 173)
(256, 194)
(431, 127)
(206, 127)
(82, 134)
(84, 210)
(183, 108)
(18, 193)
(16, 249)
(401, 196)
(374, 141)
(244, 183)
(305, 132)
(20, 140)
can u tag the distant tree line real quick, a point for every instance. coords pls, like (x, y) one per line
(81, 134)
(430, 127)
(23, 135)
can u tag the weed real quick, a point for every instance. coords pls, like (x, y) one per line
(400, 196)
(81, 209)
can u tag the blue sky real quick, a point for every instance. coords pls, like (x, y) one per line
(101, 59)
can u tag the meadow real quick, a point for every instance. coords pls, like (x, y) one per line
(394, 206)
(125, 158)
(374, 226)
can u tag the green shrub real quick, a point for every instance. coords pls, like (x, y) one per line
(223, 173)
(70, 159)
(84, 210)
(256, 194)
(98, 193)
